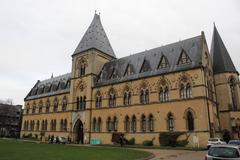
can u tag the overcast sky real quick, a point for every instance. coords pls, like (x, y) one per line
(37, 38)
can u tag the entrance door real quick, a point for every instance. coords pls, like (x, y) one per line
(78, 130)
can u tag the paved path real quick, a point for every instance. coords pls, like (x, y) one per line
(161, 154)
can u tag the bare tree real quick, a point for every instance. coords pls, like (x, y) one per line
(6, 101)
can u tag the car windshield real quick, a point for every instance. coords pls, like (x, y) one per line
(234, 142)
(224, 152)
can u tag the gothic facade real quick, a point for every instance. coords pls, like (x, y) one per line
(177, 87)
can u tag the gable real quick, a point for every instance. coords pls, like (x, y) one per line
(145, 66)
(184, 58)
(163, 63)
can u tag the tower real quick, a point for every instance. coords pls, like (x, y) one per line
(88, 58)
(226, 84)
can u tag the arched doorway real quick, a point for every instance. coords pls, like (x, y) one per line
(78, 132)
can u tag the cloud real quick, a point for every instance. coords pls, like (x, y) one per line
(39, 37)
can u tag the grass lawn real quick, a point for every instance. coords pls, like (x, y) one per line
(18, 150)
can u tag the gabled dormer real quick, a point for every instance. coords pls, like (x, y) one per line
(163, 63)
(184, 58)
(114, 74)
(145, 66)
(128, 70)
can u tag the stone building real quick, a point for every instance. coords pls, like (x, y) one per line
(176, 87)
(10, 120)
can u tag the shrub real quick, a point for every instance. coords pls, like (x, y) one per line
(29, 135)
(36, 136)
(131, 141)
(182, 143)
(170, 139)
(148, 143)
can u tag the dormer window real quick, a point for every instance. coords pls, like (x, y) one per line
(145, 66)
(101, 76)
(163, 63)
(82, 69)
(184, 58)
(114, 74)
(128, 71)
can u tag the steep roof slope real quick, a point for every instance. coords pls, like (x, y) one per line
(192, 47)
(50, 87)
(95, 37)
(222, 61)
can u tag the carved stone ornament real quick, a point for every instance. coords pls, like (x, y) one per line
(81, 85)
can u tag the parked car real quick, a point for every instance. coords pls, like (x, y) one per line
(223, 152)
(234, 142)
(61, 140)
(214, 141)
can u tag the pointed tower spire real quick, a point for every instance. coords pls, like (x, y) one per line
(222, 61)
(95, 37)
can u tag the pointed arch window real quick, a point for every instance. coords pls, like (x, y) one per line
(40, 107)
(134, 124)
(190, 121)
(98, 100)
(34, 108)
(64, 104)
(127, 98)
(43, 125)
(164, 94)
(115, 124)
(184, 58)
(55, 105)
(94, 125)
(84, 102)
(109, 124)
(54, 124)
(112, 98)
(163, 63)
(37, 125)
(81, 103)
(233, 93)
(47, 106)
(63, 125)
(46, 125)
(51, 125)
(170, 122)
(150, 123)
(78, 103)
(127, 124)
(144, 96)
(185, 91)
(82, 69)
(27, 108)
(210, 89)
(99, 124)
(143, 123)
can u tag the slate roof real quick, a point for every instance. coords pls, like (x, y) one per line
(192, 47)
(49, 87)
(95, 37)
(222, 61)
